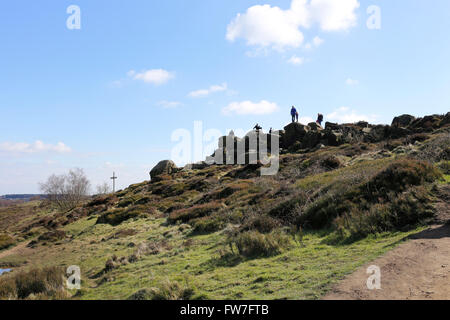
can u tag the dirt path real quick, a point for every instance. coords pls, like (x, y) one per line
(418, 269)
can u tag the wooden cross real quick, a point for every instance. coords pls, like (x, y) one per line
(113, 178)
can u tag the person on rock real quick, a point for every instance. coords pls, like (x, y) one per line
(294, 114)
(319, 119)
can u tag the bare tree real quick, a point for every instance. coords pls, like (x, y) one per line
(68, 190)
(103, 188)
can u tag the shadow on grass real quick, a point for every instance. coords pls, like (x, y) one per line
(227, 260)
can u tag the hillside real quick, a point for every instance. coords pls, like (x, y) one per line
(344, 196)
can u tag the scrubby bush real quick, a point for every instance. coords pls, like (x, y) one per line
(260, 222)
(331, 162)
(444, 166)
(404, 212)
(47, 283)
(115, 217)
(398, 177)
(255, 244)
(209, 224)
(5, 241)
(194, 212)
(286, 210)
(52, 236)
(168, 290)
(397, 198)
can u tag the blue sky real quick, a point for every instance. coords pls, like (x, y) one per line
(107, 97)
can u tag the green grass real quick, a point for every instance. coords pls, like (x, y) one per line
(304, 271)
(205, 262)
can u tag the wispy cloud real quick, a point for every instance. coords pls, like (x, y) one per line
(347, 115)
(206, 92)
(154, 76)
(251, 108)
(296, 60)
(169, 104)
(351, 82)
(36, 147)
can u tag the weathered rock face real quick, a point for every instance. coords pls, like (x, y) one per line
(403, 121)
(311, 139)
(446, 119)
(195, 166)
(163, 167)
(331, 126)
(426, 124)
(315, 126)
(376, 133)
(296, 136)
(294, 132)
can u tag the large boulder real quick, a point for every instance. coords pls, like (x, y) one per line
(294, 132)
(376, 134)
(332, 126)
(315, 126)
(403, 121)
(426, 124)
(163, 167)
(312, 139)
(334, 138)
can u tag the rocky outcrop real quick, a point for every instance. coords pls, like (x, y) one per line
(294, 132)
(163, 167)
(403, 121)
(297, 136)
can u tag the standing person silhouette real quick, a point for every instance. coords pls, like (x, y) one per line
(319, 119)
(294, 114)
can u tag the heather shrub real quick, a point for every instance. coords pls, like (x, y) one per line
(394, 199)
(194, 212)
(6, 241)
(403, 212)
(254, 244)
(286, 210)
(168, 290)
(260, 222)
(210, 224)
(115, 217)
(47, 283)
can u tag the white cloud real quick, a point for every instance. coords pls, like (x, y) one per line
(266, 26)
(317, 41)
(296, 60)
(251, 108)
(206, 92)
(169, 104)
(334, 15)
(306, 120)
(351, 82)
(347, 115)
(155, 76)
(37, 146)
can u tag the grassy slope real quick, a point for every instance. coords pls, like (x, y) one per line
(304, 271)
